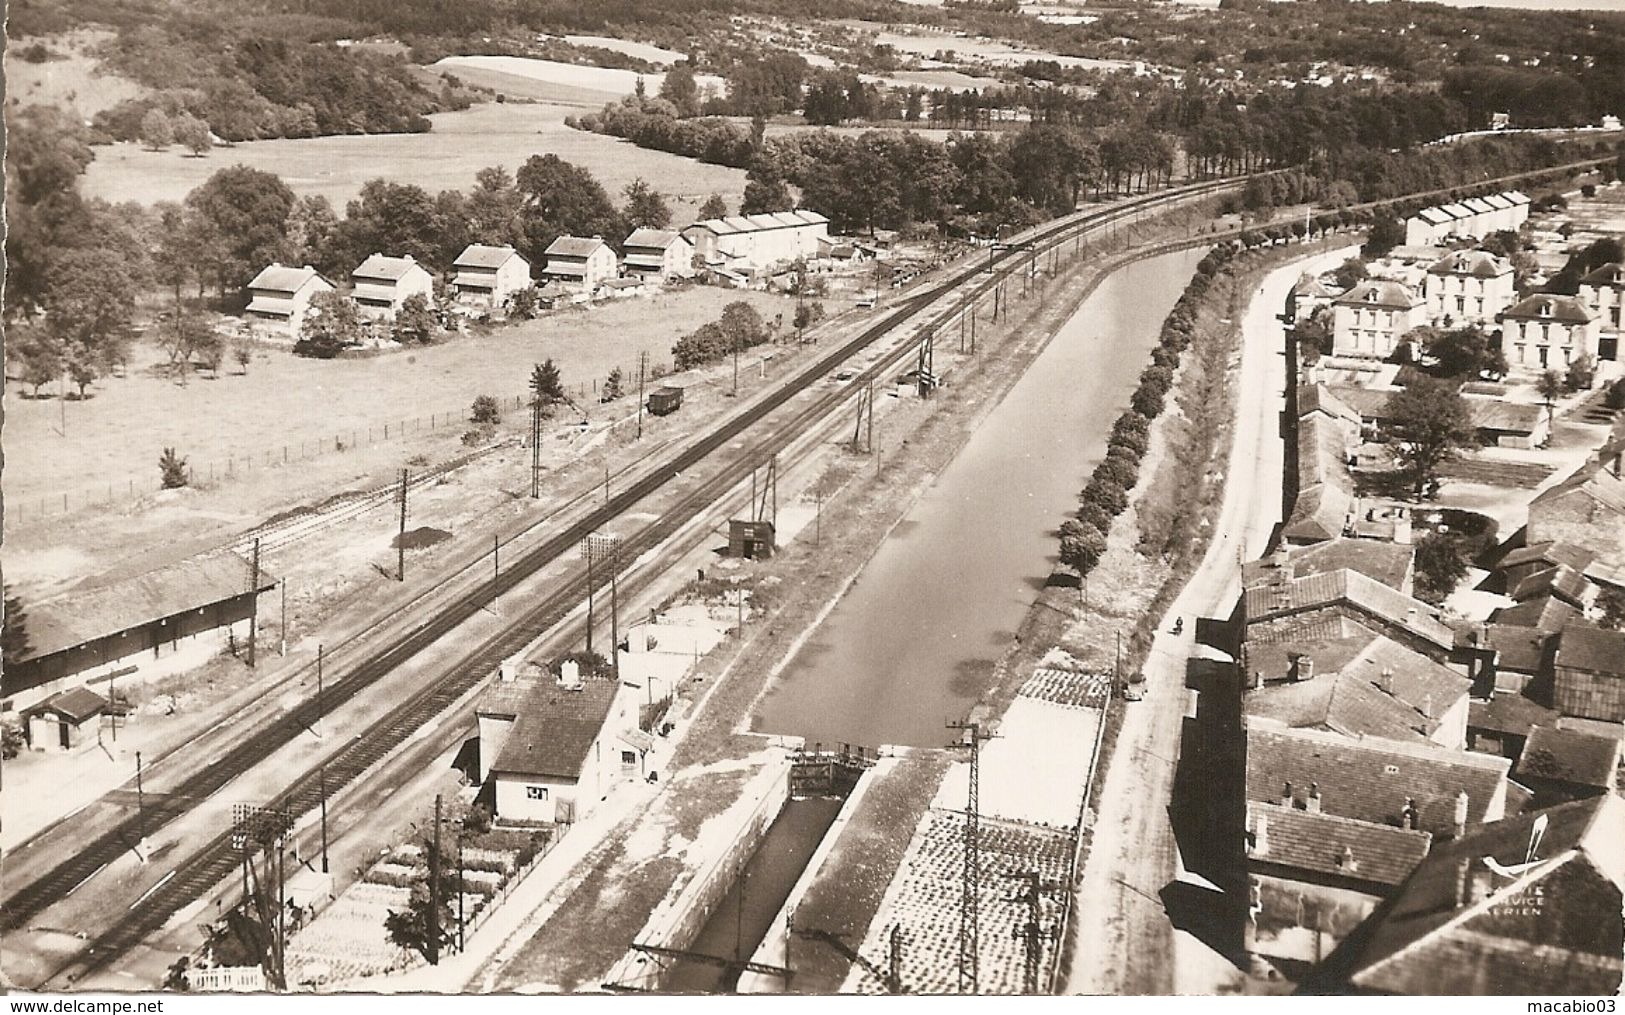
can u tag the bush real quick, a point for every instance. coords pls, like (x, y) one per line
(1110, 496)
(1117, 471)
(1092, 514)
(1158, 377)
(485, 411)
(1615, 399)
(1131, 440)
(1148, 401)
(172, 470)
(1133, 423)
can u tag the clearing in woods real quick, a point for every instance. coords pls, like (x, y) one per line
(447, 157)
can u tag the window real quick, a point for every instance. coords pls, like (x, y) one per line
(629, 757)
(535, 792)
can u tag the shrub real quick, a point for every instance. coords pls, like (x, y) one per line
(1117, 471)
(1091, 513)
(1156, 376)
(172, 470)
(1148, 402)
(1110, 496)
(1131, 422)
(485, 411)
(1132, 440)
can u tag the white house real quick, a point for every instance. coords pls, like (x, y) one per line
(1476, 216)
(486, 276)
(1602, 290)
(279, 295)
(1370, 319)
(381, 284)
(658, 255)
(1545, 331)
(1468, 286)
(580, 262)
(760, 240)
(567, 744)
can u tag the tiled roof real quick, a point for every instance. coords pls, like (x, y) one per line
(1559, 580)
(1456, 210)
(1319, 398)
(1364, 594)
(1309, 285)
(76, 704)
(1380, 293)
(505, 699)
(1378, 854)
(1482, 413)
(1478, 206)
(555, 730)
(1546, 307)
(1582, 647)
(1325, 488)
(1520, 649)
(1508, 713)
(658, 239)
(1371, 779)
(1549, 552)
(82, 614)
(282, 278)
(1517, 197)
(1388, 563)
(1497, 201)
(574, 246)
(390, 269)
(1436, 216)
(1590, 480)
(1547, 613)
(1612, 274)
(1477, 263)
(1456, 927)
(1569, 756)
(479, 255)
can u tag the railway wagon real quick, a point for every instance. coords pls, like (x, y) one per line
(666, 400)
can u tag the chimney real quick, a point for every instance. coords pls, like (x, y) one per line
(1346, 859)
(1286, 796)
(1261, 835)
(1258, 680)
(1386, 680)
(1461, 813)
(1312, 805)
(1408, 818)
(570, 675)
(1303, 667)
(406, 257)
(1464, 881)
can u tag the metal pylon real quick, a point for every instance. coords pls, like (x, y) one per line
(970, 888)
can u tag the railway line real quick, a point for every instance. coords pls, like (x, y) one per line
(196, 875)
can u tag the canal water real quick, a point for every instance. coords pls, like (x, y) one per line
(744, 916)
(913, 643)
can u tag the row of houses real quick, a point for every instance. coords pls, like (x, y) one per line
(1475, 216)
(1473, 287)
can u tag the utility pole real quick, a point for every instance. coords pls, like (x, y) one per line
(535, 447)
(1033, 934)
(140, 803)
(591, 584)
(324, 816)
(496, 569)
(735, 391)
(253, 602)
(969, 901)
(282, 632)
(321, 704)
(434, 888)
(818, 512)
(643, 358)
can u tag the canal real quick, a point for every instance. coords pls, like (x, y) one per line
(914, 641)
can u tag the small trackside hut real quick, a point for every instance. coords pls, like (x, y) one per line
(664, 401)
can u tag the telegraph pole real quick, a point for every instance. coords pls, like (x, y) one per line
(400, 539)
(321, 704)
(324, 817)
(643, 359)
(590, 586)
(969, 900)
(496, 569)
(253, 602)
(434, 888)
(140, 802)
(535, 447)
(282, 632)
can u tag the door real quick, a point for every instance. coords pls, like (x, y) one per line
(62, 733)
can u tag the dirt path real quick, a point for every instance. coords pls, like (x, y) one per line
(1127, 943)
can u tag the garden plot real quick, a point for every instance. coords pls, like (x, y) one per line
(1035, 769)
(924, 901)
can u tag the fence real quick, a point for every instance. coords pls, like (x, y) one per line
(21, 512)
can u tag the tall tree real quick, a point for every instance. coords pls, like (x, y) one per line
(546, 390)
(193, 134)
(494, 208)
(249, 209)
(398, 219)
(561, 198)
(679, 89)
(157, 132)
(415, 322)
(644, 206)
(1430, 418)
(714, 208)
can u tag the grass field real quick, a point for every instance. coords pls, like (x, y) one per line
(116, 436)
(70, 83)
(461, 143)
(612, 80)
(640, 50)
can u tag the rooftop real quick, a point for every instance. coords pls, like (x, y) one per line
(1365, 594)
(1377, 854)
(1460, 926)
(1611, 274)
(1560, 580)
(479, 255)
(1389, 563)
(1380, 293)
(1569, 756)
(1371, 779)
(389, 269)
(282, 278)
(77, 704)
(555, 729)
(1547, 307)
(1508, 713)
(1583, 647)
(1476, 263)
(1545, 613)
(574, 246)
(655, 238)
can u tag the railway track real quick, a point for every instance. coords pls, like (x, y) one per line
(196, 875)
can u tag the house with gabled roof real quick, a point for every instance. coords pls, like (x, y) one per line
(569, 742)
(487, 276)
(1586, 509)
(279, 295)
(381, 284)
(1393, 564)
(1525, 906)
(1369, 320)
(1334, 826)
(1347, 593)
(1589, 670)
(760, 241)
(1545, 331)
(1602, 290)
(1327, 434)
(580, 263)
(1468, 287)
(658, 255)
(1561, 764)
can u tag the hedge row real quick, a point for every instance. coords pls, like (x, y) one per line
(1083, 536)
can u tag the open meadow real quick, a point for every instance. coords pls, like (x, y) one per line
(447, 157)
(70, 79)
(114, 438)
